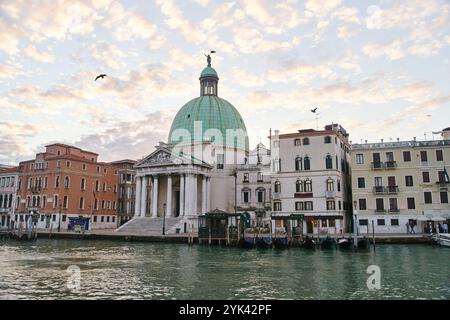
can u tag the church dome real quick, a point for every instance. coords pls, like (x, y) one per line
(215, 115)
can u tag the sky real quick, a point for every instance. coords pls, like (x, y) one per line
(381, 69)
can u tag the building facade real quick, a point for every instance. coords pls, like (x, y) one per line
(311, 176)
(127, 190)
(401, 184)
(9, 178)
(67, 182)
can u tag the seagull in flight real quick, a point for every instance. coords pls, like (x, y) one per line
(100, 76)
(314, 110)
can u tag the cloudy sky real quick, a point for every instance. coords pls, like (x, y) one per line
(379, 68)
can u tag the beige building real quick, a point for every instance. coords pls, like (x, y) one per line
(401, 183)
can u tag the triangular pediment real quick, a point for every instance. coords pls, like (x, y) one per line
(163, 156)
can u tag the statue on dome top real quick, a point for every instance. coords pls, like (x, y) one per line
(208, 57)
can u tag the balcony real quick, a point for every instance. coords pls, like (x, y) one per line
(394, 210)
(4, 210)
(377, 165)
(392, 189)
(379, 190)
(380, 210)
(303, 195)
(390, 164)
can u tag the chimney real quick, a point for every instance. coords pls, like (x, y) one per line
(381, 140)
(398, 139)
(414, 139)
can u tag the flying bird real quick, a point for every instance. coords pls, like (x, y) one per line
(313, 110)
(100, 76)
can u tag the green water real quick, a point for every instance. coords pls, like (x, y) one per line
(124, 270)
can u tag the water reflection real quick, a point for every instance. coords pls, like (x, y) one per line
(124, 270)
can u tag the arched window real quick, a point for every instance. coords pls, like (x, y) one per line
(81, 203)
(245, 195)
(298, 164)
(305, 141)
(83, 184)
(97, 186)
(66, 182)
(277, 186)
(328, 162)
(299, 186)
(57, 182)
(308, 185)
(306, 163)
(330, 184)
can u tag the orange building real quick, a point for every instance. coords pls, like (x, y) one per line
(64, 183)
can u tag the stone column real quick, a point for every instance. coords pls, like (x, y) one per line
(181, 195)
(208, 194)
(137, 201)
(204, 194)
(144, 196)
(194, 207)
(169, 196)
(188, 197)
(155, 197)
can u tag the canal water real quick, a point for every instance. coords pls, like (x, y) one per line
(126, 270)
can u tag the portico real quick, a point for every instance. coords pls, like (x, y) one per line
(181, 188)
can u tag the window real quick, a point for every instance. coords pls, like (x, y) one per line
(105, 170)
(331, 205)
(379, 204)
(98, 169)
(423, 156)
(409, 181)
(259, 177)
(277, 206)
(113, 219)
(64, 218)
(441, 176)
(359, 158)
(330, 184)
(439, 155)
(246, 177)
(426, 176)
(84, 166)
(95, 218)
(102, 219)
(362, 204)
(57, 182)
(97, 186)
(298, 164)
(297, 142)
(58, 163)
(328, 162)
(298, 186)
(305, 141)
(308, 185)
(428, 197)
(299, 206)
(65, 202)
(260, 193)
(306, 163)
(83, 184)
(277, 165)
(220, 161)
(411, 203)
(361, 182)
(68, 164)
(381, 222)
(394, 222)
(246, 196)
(104, 187)
(66, 182)
(393, 204)
(45, 182)
(55, 201)
(277, 186)
(339, 185)
(81, 203)
(327, 139)
(444, 197)
(363, 222)
(107, 219)
(95, 204)
(389, 156)
(406, 156)
(54, 217)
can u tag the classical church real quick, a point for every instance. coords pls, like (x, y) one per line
(195, 171)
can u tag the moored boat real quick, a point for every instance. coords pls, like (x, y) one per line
(280, 242)
(345, 243)
(308, 243)
(443, 239)
(363, 243)
(327, 243)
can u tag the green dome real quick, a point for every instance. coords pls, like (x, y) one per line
(214, 113)
(209, 72)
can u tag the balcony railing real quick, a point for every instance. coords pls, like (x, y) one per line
(392, 189)
(390, 164)
(377, 165)
(380, 210)
(379, 190)
(394, 210)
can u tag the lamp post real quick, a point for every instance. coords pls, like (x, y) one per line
(164, 220)
(59, 218)
(355, 225)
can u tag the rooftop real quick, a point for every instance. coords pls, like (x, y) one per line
(400, 144)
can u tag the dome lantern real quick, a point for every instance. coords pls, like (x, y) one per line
(208, 80)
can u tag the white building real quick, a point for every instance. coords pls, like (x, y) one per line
(8, 195)
(311, 177)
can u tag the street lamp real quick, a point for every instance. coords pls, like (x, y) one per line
(164, 220)
(59, 218)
